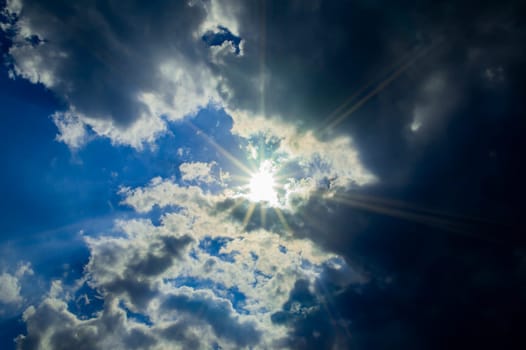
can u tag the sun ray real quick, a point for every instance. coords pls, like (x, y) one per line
(263, 215)
(313, 223)
(262, 55)
(454, 226)
(220, 149)
(402, 205)
(395, 212)
(334, 114)
(248, 215)
(379, 87)
(331, 310)
(283, 221)
(237, 202)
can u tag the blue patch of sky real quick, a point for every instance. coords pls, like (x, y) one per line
(193, 254)
(260, 276)
(10, 328)
(45, 187)
(50, 195)
(213, 245)
(221, 35)
(307, 265)
(86, 302)
(138, 317)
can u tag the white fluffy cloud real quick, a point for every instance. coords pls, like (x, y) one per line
(11, 286)
(197, 171)
(199, 278)
(120, 87)
(129, 87)
(9, 289)
(208, 273)
(332, 163)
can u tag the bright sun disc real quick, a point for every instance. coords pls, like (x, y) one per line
(262, 187)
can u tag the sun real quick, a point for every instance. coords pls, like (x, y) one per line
(262, 186)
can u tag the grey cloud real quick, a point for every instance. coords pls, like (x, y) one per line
(99, 57)
(51, 323)
(219, 314)
(135, 279)
(301, 64)
(180, 332)
(300, 61)
(157, 262)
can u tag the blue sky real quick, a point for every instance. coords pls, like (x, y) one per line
(224, 175)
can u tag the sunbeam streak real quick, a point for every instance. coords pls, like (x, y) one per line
(454, 225)
(379, 88)
(336, 113)
(220, 149)
(248, 215)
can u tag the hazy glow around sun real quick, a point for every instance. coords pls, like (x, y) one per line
(262, 186)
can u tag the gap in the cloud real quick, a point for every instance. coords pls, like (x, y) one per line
(260, 276)
(213, 245)
(86, 302)
(184, 142)
(254, 256)
(10, 328)
(138, 317)
(103, 168)
(157, 213)
(220, 36)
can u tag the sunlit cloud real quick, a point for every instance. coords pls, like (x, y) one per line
(198, 270)
(219, 173)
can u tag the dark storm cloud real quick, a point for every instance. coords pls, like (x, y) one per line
(310, 56)
(428, 288)
(431, 287)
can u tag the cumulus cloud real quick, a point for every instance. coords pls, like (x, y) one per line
(163, 192)
(10, 289)
(197, 279)
(11, 286)
(197, 171)
(124, 82)
(72, 130)
(125, 73)
(120, 86)
(128, 87)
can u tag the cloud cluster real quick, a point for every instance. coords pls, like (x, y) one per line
(197, 171)
(120, 78)
(125, 72)
(197, 279)
(278, 69)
